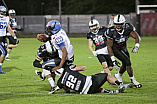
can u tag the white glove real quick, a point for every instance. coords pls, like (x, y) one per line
(135, 49)
(115, 63)
(94, 53)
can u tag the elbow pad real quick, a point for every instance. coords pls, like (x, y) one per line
(36, 63)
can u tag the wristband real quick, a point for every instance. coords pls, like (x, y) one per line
(112, 58)
(15, 37)
(137, 45)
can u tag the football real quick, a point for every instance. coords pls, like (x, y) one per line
(42, 37)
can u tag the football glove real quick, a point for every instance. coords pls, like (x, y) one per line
(94, 53)
(135, 49)
(116, 64)
(16, 40)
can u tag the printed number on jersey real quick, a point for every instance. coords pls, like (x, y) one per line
(3, 25)
(99, 40)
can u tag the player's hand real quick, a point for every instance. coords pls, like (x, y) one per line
(135, 49)
(94, 53)
(17, 41)
(116, 64)
(55, 68)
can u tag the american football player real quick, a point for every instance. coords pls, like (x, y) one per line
(5, 25)
(61, 42)
(13, 25)
(117, 46)
(86, 84)
(96, 36)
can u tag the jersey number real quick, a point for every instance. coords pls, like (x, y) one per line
(71, 81)
(3, 25)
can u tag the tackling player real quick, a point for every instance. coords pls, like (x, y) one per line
(4, 25)
(116, 44)
(96, 36)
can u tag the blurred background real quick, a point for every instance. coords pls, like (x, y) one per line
(74, 15)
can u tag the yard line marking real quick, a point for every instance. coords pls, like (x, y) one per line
(72, 94)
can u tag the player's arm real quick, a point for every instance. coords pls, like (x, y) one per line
(37, 61)
(137, 38)
(109, 46)
(90, 46)
(10, 30)
(64, 55)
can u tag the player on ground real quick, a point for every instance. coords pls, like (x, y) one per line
(86, 84)
(4, 20)
(116, 43)
(13, 25)
(96, 36)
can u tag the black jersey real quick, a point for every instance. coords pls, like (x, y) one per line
(72, 79)
(99, 39)
(120, 38)
(13, 24)
(81, 83)
(42, 52)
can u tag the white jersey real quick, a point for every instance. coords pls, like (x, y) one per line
(4, 20)
(61, 39)
(13, 25)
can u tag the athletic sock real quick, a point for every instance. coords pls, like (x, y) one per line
(132, 78)
(7, 55)
(1, 66)
(53, 84)
(117, 83)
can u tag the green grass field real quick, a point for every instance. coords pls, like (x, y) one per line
(20, 85)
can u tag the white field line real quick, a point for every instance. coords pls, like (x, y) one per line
(94, 95)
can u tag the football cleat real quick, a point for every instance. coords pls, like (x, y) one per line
(8, 59)
(126, 85)
(2, 72)
(121, 90)
(53, 89)
(39, 74)
(136, 84)
(118, 77)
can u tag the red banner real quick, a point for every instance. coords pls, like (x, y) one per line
(148, 23)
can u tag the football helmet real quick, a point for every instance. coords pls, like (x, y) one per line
(119, 22)
(94, 26)
(53, 27)
(2, 10)
(12, 13)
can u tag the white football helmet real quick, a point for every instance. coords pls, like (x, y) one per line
(94, 26)
(119, 20)
(12, 13)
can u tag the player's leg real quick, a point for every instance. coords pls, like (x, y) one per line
(2, 56)
(12, 44)
(103, 62)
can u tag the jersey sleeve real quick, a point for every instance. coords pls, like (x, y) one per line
(109, 33)
(88, 36)
(130, 27)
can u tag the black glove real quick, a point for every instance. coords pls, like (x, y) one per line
(48, 68)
